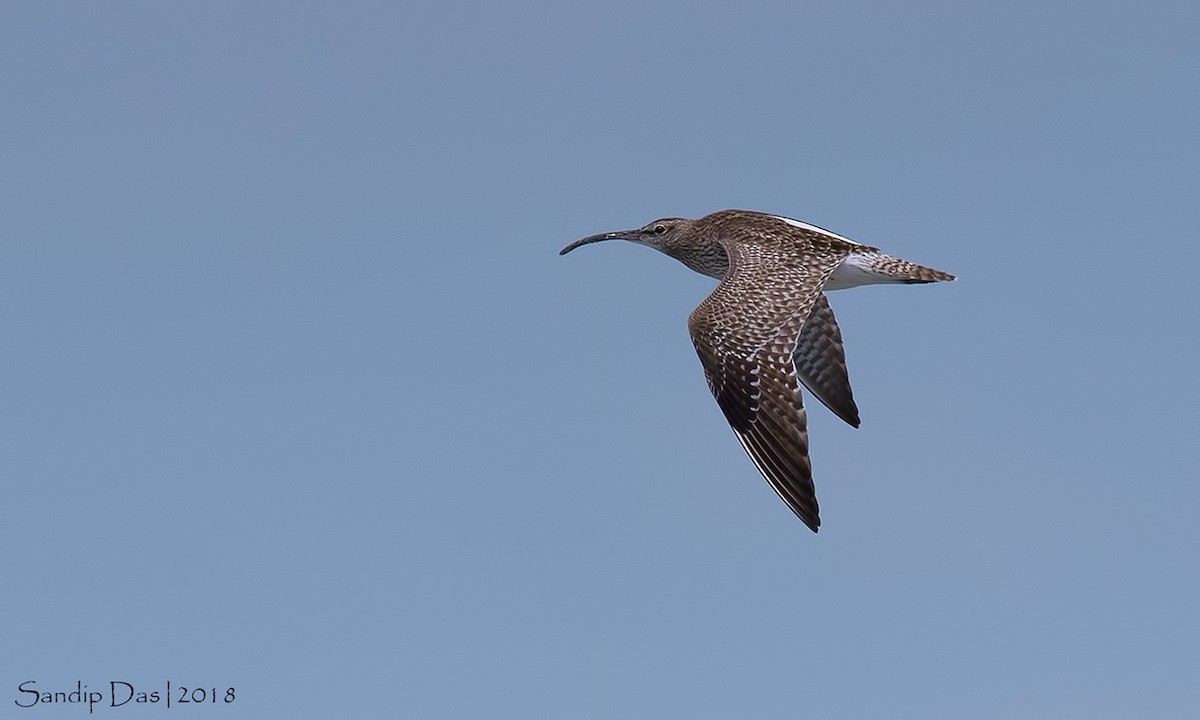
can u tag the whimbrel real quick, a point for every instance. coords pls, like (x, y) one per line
(768, 327)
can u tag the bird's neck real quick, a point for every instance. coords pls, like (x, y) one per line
(701, 253)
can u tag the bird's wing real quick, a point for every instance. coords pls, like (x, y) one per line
(745, 333)
(821, 362)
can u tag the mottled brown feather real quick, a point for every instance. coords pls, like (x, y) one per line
(745, 334)
(821, 362)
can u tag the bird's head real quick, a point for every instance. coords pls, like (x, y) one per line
(663, 234)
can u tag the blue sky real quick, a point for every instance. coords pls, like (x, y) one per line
(301, 400)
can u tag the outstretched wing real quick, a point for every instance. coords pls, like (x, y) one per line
(745, 333)
(821, 362)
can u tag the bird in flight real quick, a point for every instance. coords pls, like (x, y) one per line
(768, 327)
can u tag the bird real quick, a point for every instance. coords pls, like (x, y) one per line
(768, 327)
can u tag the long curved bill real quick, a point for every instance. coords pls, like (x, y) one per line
(619, 235)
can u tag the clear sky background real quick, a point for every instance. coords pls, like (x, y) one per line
(299, 398)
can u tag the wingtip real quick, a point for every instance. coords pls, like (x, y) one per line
(811, 520)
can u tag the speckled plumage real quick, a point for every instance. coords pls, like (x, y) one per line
(768, 328)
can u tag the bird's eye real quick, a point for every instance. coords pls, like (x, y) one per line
(660, 229)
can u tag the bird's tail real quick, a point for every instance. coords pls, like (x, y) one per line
(870, 268)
